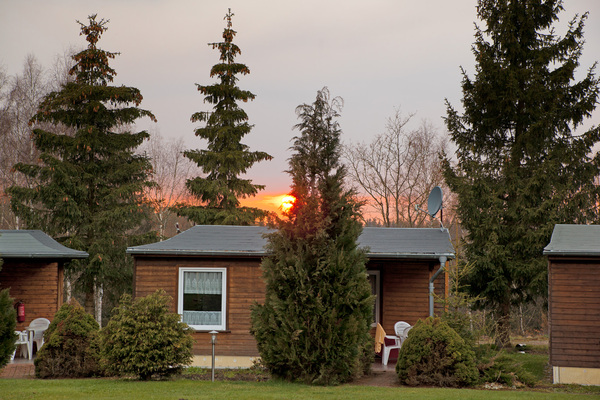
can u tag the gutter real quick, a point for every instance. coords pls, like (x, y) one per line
(431, 287)
(58, 256)
(252, 253)
(582, 253)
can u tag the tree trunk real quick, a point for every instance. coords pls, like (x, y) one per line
(521, 323)
(89, 302)
(68, 289)
(98, 296)
(503, 332)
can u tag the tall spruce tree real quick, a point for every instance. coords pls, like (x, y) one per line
(89, 186)
(314, 324)
(521, 166)
(226, 157)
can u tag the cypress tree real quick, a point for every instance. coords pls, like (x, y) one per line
(522, 166)
(314, 324)
(88, 188)
(226, 157)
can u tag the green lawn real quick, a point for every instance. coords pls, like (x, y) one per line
(23, 389)
(188, 387)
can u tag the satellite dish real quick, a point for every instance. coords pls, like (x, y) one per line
(434, 203)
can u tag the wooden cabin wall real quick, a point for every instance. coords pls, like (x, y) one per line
(573, 312)
(405, 290)
(244, 286)
(39, 284)
(404, 294)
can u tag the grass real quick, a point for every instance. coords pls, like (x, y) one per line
(242, 384)
(188, 390)
(535, 361)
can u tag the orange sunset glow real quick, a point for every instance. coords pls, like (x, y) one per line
(287, 202)
(274, 202)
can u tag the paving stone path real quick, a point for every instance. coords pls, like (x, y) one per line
(18, 371)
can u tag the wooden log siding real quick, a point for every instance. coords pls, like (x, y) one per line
(405, 291)
(39, 284)
(574, 312)
(404, 294)
(244, 286)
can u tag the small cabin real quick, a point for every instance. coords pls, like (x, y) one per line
(574, 303)
(221, 266)
(33, 271)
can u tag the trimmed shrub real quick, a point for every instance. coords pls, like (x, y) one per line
(144, 339)
(435, 355)
(71, 346)
(8, 324)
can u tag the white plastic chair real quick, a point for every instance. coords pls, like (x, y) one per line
(404, 335)
(36, 333)
(22, 342)
(399, 328)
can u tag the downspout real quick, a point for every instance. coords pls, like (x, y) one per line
(442, 265)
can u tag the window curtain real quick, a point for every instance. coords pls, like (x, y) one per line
(202, 317)
(203, 283)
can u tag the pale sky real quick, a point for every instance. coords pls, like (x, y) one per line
(378, 55)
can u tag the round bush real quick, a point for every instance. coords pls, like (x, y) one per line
(71, 347)
(143, 338)
(435, 355)
(8, 324)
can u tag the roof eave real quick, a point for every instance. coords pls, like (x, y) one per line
(138, 252)
(148, 252)
(44, 256)
(581, 253)
(422, 256)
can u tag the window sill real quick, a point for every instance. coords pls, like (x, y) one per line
(210, 330)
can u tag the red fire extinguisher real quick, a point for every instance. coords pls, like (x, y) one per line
(20, 306)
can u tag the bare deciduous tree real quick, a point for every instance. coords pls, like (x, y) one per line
(59, 73)
(170, 172)
(20, 97)
(5, 125)
(20, 103)
(397, 170)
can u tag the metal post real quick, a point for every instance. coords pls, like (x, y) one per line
(213, 341)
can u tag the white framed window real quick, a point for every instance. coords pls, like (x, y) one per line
(202, 298)
(375, 288)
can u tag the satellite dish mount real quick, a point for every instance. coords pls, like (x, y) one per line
(434, 204)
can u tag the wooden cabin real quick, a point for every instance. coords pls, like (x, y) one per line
(574, 303)
(221, 264)
(32, 270)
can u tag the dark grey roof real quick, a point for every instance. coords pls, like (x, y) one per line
(249, 241)
(34, 244)
(574, 240)
(407, 242)
(210, 240)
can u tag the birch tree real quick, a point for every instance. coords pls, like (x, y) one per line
(397, 170)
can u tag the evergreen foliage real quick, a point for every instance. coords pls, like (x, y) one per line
(522, 166)
(501, 367)
(144, 339)
(8, 324)
(226, 157)
(71, 346)
(314, 324)
(87, 191)
(433, 354)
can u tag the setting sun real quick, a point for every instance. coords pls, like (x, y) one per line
(287, 202)
(274, 202)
